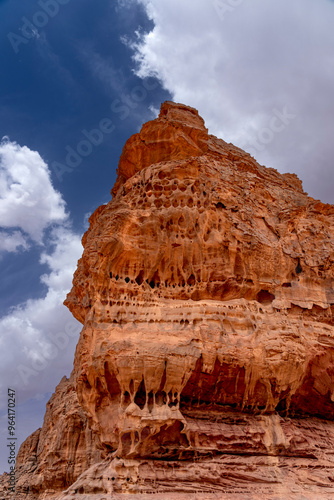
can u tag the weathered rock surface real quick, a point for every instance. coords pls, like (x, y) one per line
(205, 363)
(53, 457)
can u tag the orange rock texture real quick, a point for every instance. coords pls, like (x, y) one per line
(205, 365)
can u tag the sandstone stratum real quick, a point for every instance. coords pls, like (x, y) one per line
(204, 369)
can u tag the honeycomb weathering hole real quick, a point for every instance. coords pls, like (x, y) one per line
(220, 205)
(265, 297)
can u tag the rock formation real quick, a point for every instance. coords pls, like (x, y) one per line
(205, 365)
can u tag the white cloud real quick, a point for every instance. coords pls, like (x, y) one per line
(38, 337)
(28, 200)
(238, 61)
(63, 260)
(13, 241)
(38, 340)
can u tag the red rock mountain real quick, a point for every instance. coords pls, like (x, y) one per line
(205, 365)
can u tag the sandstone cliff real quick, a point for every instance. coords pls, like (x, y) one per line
(205, 363)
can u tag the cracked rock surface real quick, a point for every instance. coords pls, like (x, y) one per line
(205, 363)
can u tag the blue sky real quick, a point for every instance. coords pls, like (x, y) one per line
(63, 81)
(78, 79)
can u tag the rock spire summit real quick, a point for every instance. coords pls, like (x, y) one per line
(178, 133)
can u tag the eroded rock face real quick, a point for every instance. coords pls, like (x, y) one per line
(53, 457)
(205, 363)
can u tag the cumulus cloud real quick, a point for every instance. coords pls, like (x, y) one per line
(243, 64)
(28, 201)
(38, 337)
(13, 241)
(37, 342)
